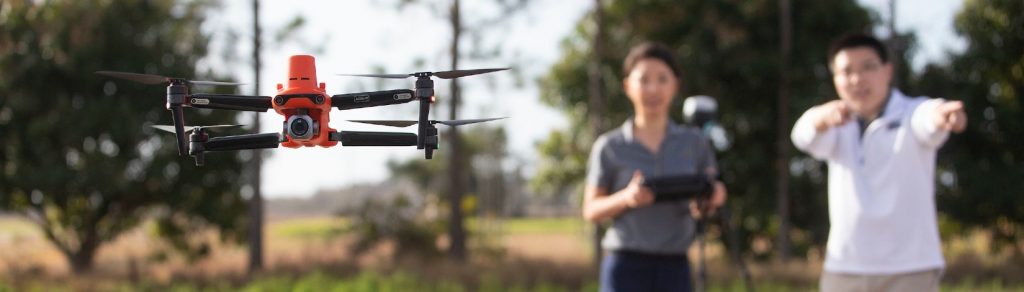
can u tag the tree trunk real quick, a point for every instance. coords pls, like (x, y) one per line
(782, 130)
(81, 260)
(895, 45)
(596, 89)
(456, 174)
(256, 202)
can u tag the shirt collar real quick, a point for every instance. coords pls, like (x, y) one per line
(890, 114)
(627, 128)
(893, 106)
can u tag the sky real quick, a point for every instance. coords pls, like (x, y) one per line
(358, 36)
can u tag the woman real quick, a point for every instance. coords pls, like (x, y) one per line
(646, 244)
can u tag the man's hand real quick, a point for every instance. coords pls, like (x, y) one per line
(950, 116)
(831, 114)
(717, 200)
(636, 194)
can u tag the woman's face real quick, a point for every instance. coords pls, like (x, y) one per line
(650, 86)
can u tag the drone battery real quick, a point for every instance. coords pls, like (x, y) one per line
(681, 187)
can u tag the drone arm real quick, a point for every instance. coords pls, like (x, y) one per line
(230, 102)
(239, 142)
(359, 138)
(371, 99)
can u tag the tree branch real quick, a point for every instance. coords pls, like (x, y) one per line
(44, 223)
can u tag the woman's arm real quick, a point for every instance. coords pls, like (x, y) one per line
(599, 206)
(717, 199)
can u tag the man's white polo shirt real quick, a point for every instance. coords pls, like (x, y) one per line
(881, 188)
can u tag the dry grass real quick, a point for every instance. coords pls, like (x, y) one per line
(519, 253)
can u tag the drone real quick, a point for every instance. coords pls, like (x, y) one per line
(306, 107)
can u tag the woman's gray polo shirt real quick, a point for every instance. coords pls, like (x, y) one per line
(664, 228)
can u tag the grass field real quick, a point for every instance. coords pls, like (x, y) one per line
(544, 226)
(306, 228)
(309, 254)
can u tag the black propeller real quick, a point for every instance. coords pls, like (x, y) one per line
(441, 74)
(426, 137)
(157, 79)
(406, 123)
(170, 128)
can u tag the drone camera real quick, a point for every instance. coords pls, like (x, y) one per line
(301, 127)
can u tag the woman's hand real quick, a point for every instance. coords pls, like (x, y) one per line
(717, 200)
(636, 194)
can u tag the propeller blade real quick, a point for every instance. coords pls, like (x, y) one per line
(390, 123)
(390, 76)
(151, 79)
(442, 74)
(169, 128)
(464, 73)
(165, 128)
(466, 122)
(406, 123)
(135, 77)
(215, 83)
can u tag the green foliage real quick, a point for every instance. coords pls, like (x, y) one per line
(487, 147)
(980, 170)
(728, 49)
(489, 182)
(485, 144)
(398, 221)
(78, 153)
(564, 162)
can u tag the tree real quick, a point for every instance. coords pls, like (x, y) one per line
(596, 101)
(256, 216)
(256, 202)
(78, 156)
(486, 184)
(458, 159)
(979, 170)
(782, 124)
(727, 49)
(457, 165)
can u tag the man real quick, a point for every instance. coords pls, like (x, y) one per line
(880, 146)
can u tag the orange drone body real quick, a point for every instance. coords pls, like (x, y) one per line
(303, 93)
(306, 108)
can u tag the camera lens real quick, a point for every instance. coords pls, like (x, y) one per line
(299, 127)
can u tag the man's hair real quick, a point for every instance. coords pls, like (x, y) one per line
(854, 40)
(649, 50)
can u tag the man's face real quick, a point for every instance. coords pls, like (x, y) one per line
(861, 79)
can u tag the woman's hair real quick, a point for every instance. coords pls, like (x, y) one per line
(649, 50)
